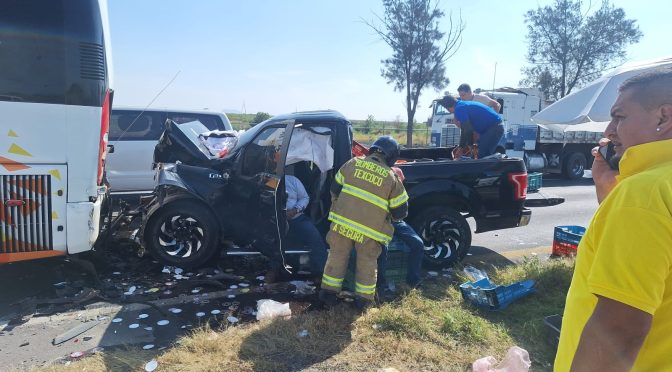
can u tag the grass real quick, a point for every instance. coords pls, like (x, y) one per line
(428, 329)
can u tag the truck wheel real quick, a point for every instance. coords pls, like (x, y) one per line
(182, 233)
(446, 235)
(574, 166)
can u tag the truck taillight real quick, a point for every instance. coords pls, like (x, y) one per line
(519, 182)
(104, 129)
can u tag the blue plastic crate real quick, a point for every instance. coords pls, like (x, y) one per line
(534, 181)
(487, 295)
(569, 234)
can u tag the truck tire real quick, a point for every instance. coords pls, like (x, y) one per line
(182, 233)
(575, 164)
(446, 234)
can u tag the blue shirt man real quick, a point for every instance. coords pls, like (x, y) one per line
(476, 117)
(481, 117)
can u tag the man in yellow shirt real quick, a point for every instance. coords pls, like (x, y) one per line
(618, 313)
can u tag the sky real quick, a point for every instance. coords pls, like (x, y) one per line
(298, 55)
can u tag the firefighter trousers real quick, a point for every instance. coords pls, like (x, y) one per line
(340, 248)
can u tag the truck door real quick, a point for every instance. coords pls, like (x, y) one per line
(259, 185)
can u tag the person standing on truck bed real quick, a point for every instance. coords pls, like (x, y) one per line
(472, 117)
(367, 197)
(464, 91)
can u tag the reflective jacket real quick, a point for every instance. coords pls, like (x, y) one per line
(368, 196)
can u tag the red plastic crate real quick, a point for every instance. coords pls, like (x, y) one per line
(564, 248)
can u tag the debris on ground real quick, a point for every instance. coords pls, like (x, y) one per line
(151, 365)
(74, 332)
(269, 309)
(516, 360)
(475, 274)
(303, 288)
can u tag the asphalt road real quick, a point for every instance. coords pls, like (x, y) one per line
(537, 237)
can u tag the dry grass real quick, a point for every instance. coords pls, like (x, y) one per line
(432, 329)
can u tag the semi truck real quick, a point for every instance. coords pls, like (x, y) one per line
(545, 149)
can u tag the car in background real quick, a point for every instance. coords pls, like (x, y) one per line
(133, 134)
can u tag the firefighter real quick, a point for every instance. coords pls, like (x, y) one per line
(366, 197)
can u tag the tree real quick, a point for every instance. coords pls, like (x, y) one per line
(259, 117)
(369, 123)
(419, 49)
(568, 48)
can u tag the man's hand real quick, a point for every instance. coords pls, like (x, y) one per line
(603, 175)
(291, 213)
(457, 152)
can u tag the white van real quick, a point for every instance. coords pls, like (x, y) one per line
(133, 134)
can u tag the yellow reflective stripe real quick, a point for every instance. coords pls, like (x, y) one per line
(365, 289)
(331, 278)
(339, 178)
(399, 200)
(365, 195)
(331, 281)
(365, 286)
(375, 235)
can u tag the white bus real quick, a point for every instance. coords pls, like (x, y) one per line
(55, 101)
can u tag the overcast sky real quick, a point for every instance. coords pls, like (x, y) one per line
(283, 56)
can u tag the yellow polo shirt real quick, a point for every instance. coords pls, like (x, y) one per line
(626, 255)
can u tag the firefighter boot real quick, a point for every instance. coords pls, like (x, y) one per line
(328, 298)
(362, 304)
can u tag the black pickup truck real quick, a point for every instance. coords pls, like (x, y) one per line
(202, 200)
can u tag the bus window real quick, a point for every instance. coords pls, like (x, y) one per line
(52, 52)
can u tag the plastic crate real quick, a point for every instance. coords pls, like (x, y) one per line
(564, 249)
(395, 270)
(553, 324)
(534, 181)
(568, 234)
(485, 294)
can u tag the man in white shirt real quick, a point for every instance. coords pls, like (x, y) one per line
(301, 227)
(465, 94)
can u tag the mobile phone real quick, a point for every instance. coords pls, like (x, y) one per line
(607, 152)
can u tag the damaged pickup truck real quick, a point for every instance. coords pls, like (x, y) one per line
(202, 201)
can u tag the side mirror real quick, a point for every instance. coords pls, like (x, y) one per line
(110, 149)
